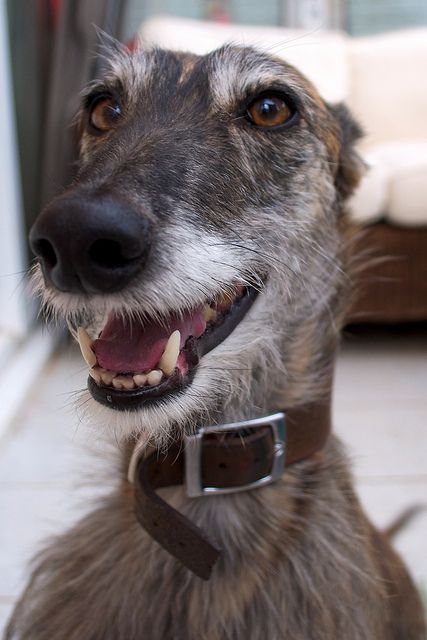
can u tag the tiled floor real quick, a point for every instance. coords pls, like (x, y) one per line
(380, 410)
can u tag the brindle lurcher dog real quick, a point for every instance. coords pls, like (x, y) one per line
(202, 178)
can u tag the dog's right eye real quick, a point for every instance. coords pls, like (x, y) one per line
(270, 111)
(104, 113)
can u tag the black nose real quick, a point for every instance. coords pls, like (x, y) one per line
(90, 244)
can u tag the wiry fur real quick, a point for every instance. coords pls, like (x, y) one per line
(227, 202)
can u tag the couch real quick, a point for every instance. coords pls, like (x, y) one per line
(382, 79)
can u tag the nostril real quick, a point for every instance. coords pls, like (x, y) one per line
(108, 254)
(46, 252)
(91, 244)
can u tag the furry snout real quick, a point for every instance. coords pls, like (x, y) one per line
(199, 290)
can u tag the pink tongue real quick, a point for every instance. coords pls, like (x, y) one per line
(129, 347)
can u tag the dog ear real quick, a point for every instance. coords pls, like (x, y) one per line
(351, 167)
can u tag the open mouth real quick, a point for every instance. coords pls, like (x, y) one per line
(133, 363)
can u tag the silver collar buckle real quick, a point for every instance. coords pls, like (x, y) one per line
(193, 455)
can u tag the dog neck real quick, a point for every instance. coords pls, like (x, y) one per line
(226, 458)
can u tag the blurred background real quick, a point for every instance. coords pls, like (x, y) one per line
(372, 54)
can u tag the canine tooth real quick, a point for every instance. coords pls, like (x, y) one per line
(85, 344)
(209, 313)
(95, 373)
(140, 379)
(107, 376)
(170, 355)
(154, 377)
(72, 329)
(123, 382)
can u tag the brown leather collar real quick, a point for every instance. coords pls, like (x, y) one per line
(228, 460)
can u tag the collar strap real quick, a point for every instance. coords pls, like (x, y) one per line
(222, 459)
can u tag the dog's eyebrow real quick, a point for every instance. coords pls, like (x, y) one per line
(92, 91)
(235, 72)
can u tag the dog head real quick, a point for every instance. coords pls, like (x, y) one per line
(198, 254)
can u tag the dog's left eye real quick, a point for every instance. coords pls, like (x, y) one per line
(270, 110)
(104, 113)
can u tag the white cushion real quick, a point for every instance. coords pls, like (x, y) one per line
(407, 204)
(387, 85)
(367, 205)
(320, 55)
(395, 187)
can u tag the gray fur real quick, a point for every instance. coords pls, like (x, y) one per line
(228, 202)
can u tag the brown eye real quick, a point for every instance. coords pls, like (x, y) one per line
(104, 114)
(269, 111)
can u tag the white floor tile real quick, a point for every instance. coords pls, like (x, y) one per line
(29, 517)
(47, 442)
(380, 404)
(5, 611)
(384, 440)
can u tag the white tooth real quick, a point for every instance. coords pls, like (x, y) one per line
(154, 377)
(209, 313)
(128, 382)
(140, 379)
(117, 382)
(95, 373)
(170, 355)
(86, 347)
(123, 382)
(107, 376)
